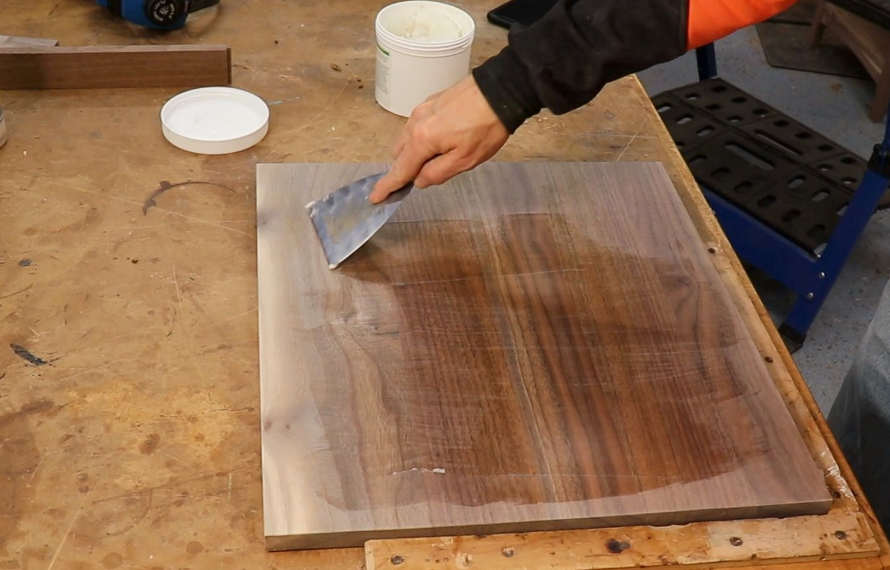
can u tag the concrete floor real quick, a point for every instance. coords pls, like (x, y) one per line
(836, 107)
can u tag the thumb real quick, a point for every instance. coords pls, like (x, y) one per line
(403, 171)
(388, 183)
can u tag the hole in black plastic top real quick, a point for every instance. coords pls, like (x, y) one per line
(777, 143)
(816, 231)
(720, 173)
(750, 156)
(790, 215)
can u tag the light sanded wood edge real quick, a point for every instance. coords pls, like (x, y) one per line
(804, 410)
(715, 544)
(16, 41)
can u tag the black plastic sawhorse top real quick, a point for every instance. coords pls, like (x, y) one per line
(765, 238)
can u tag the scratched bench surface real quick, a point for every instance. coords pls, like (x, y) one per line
(531, 346)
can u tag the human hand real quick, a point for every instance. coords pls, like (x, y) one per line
(451, 132)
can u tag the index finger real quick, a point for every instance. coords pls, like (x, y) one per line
(403, 171)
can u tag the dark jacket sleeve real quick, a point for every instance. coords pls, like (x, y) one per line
(563, 61)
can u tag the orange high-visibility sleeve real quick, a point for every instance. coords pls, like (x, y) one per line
(710, 20)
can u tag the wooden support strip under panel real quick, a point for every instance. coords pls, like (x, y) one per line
(713, 544)
(114, 67)
(16, 41)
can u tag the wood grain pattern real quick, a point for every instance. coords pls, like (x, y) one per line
(533, 346)
(714, 545)
(114, 67)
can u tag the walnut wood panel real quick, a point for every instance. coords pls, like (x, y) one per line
(532, 346)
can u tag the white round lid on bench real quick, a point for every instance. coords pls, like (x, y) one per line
(215, 120)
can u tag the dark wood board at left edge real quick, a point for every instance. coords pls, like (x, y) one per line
(106, 67)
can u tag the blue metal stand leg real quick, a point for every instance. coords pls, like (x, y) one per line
(829, 265)
(810, 276)
(706, 57)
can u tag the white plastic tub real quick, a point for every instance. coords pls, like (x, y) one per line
(422, 48)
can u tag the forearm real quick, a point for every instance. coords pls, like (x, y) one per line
(564, 60)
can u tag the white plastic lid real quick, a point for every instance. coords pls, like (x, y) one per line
(215, 120)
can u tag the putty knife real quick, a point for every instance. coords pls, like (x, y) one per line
(346, 219)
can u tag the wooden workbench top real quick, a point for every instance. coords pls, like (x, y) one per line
(129, 392)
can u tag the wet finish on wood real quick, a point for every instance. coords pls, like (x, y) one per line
(532, 346)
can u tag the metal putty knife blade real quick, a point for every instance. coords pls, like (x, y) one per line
(345, 220)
